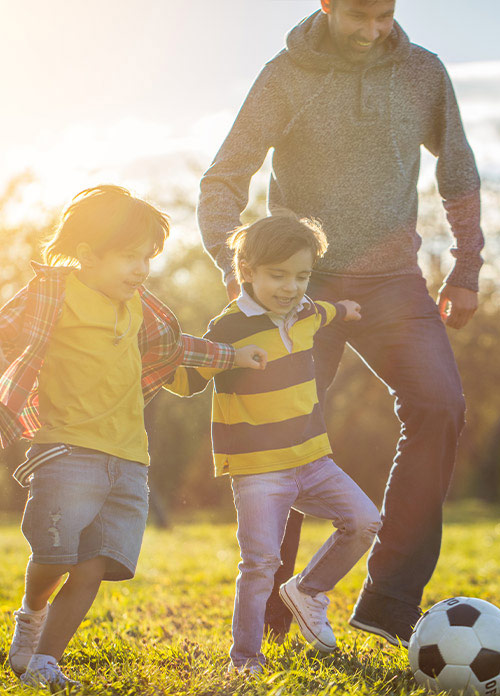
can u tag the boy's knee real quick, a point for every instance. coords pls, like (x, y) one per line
(366, 523)
(265, 564)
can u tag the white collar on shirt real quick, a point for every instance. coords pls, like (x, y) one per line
(252, 308)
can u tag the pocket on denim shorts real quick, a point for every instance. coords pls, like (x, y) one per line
(36, 456)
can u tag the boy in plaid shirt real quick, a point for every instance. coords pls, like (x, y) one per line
(83, 347)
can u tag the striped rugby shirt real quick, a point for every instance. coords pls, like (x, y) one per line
(26, 324)
(271, 419)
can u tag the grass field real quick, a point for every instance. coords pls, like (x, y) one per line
(168, 630)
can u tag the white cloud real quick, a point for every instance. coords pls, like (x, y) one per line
(483, 71)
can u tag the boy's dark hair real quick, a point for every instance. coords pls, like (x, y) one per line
(274, 239)
(106, 217)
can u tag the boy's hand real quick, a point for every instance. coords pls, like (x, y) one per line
(251, 356)
(353, 310)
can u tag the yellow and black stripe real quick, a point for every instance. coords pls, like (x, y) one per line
(263, 420)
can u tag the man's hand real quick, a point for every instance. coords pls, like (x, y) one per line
(233, 289)
(456, 305)
(352, 310)
(251, 356)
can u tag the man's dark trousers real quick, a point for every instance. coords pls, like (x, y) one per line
(403, 341)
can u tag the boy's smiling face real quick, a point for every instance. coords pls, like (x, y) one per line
(279, 287)
(116, 273)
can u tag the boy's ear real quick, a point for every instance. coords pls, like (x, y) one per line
(85, 255)
(326, 6)
(245, 271)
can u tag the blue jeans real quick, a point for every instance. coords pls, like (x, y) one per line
(85, 504)
(263, 502)
(402, 339)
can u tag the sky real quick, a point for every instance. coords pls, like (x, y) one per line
(140, 92)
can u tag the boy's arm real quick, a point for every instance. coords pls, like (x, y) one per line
(4, 363)
(222, 356)
(328, 311)
(11, 324)
(186, 381)
(162, 345)
(345, 310)
(202, 352)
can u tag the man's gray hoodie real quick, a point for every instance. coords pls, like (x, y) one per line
(346, 139)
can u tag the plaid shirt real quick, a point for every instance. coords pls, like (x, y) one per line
(26, 324)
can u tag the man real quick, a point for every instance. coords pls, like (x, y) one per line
(346, 106)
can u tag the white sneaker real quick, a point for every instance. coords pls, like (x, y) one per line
(310, 613)
(26, 636)
(249, 668)
(47, 674)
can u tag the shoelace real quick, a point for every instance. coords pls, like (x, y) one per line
(50, 673)
(317, 606)
(28, 628)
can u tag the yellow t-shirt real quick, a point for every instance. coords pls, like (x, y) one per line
(89, 388)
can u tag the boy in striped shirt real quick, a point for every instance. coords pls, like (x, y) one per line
(269, 434)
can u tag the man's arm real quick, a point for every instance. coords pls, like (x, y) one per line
(458, 184)
(224, 187)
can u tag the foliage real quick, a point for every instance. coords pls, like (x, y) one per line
(168, 631)
(359, 409)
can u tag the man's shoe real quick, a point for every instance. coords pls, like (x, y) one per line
(26, 636)
(310, 613)
(389, 618)
(47, 674)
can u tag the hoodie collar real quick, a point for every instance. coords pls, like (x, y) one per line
(303, 45)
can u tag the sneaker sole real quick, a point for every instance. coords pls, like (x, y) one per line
(369, 628)
(18, 674)
(306, 631)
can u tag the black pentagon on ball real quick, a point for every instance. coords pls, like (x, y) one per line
(463, 615)
(430, 660)
(486, 664)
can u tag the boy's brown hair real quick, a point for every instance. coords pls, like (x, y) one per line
(106, 217)
(274, 239)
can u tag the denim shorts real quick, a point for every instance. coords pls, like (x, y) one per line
(84, 504)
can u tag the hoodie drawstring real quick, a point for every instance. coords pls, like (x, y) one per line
(392, 133)
(308, 103)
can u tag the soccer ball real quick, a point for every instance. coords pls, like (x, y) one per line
(456, 645)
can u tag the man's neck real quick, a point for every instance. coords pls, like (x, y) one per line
(329, 45)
